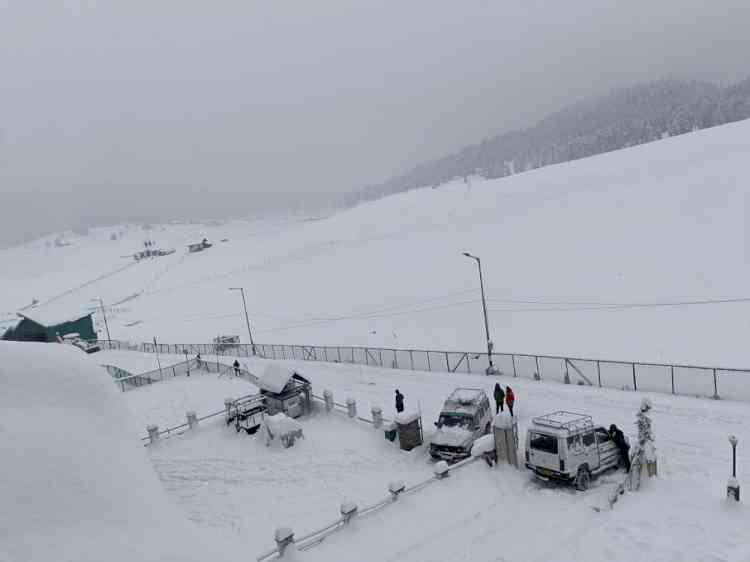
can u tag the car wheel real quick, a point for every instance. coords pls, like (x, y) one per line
(583, 479)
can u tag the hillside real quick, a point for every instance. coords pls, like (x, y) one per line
(585, 258)
(622, 118)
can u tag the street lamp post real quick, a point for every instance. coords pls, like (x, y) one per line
(733, 487)
(491, 370)
(106, 326)
(247, 318)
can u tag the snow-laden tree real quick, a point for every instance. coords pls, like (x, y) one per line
(645, 453)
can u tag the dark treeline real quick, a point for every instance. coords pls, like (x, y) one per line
(622, 118)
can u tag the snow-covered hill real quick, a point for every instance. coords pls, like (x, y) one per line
(655, 224)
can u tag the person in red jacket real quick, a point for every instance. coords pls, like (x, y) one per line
(510, 398)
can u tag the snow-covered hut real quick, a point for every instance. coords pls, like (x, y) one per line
(42, 324)
(285, 390)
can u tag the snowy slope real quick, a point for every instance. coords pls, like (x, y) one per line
(220, 478)
(77, 485)
(655, 223)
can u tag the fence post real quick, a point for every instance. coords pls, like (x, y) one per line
(566, 378)
(538, 370)
(377, 417)
(325, 353)
(635, 382)
(380, 356)
(411, 359)
(395, 359)
(429, 367)
(192, 419)
(513, 359)
(447, 362)
(351, 407)
(599, 373)
(671, 368)
(716, 388)
(153, 433)
(338, 353)
(328, 398)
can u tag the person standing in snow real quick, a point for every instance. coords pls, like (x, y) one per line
(399, 402)
(198, 360)
(618, 437)
(510, 399)
(236, 366)
(499, 398)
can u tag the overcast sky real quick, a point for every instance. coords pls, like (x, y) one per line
(126, 109)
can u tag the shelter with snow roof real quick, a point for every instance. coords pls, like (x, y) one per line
(42, 325)
(285, 390)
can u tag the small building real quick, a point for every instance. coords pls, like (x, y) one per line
(199, 247)
(41, 325)
(285, 390)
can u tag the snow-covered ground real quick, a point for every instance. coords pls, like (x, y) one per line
(76, 484)
(656, 223)
(220, 478)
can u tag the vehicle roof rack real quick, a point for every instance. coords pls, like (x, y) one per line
(562, 419)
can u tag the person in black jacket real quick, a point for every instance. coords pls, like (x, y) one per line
(499, 398)
(618, 437)
(236, 366)
(399, 402)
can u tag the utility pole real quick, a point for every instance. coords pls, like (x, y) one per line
(491, 370)
(247, 318)
(104, 315)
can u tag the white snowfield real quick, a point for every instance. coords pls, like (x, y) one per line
(231, 481)
(76, 484)
(656, 223)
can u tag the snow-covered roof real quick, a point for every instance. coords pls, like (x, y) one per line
(275, 377)
(53, 316)
(63, 490)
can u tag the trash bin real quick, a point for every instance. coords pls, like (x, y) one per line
(389, 430)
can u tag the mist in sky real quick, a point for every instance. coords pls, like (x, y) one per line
(134, 110)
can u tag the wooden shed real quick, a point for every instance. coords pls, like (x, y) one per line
(285, 390)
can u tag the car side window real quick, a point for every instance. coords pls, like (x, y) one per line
(603, 435)
(588, 438)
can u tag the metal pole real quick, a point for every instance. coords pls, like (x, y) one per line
(158, 362)
(635, 384)
(484, 310)
(106, 325)
(247, 318)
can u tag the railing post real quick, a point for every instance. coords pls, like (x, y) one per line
(429, 367)
(635, 382)
(566, 378)
(153, 433)
(380, 356)
(351, 407)
(599, 373)
(192, 419)
(328, 399)
(671, 368)
(411, 359)
(395, 359)
(447, 362)
(538, 370)
(716, 387)
(338, 353)
(377, 416)
(513, 359)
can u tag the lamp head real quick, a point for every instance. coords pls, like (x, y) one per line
(733, 440)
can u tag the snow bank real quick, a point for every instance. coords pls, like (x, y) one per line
(485, 444)
(79, 483)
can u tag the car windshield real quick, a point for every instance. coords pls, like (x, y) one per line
(454, 421)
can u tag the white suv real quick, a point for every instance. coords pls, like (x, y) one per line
(466, 415)
(567, 446)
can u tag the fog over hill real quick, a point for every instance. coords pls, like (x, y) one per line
(623, 117)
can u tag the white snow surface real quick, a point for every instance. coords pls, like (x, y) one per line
(659, 222)
(77, 485)
(485, 444)
(275, 377)
(220, 477)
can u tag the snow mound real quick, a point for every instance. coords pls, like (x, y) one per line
(275, 377)
(485, 444)
(80, 483)
(281, 424)
(404, 418)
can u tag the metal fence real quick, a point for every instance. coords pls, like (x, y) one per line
(691, 380)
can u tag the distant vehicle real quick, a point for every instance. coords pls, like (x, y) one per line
(224, 343)
(466, 415)
(75, 339)
(202, 245)
(567, 446)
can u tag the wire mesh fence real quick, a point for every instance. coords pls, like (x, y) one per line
(692, 380)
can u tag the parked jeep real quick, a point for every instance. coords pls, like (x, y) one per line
(466, 415)
(567, 446)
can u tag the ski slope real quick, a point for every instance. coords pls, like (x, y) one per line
(232, 483)
(650, 225)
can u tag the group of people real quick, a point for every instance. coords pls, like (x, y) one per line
(507, 396)
(200, 363)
